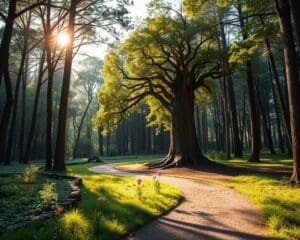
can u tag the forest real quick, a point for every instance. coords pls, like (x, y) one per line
(200, 84)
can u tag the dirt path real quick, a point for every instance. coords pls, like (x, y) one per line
(208, 212)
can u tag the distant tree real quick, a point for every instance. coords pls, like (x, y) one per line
(86, 83)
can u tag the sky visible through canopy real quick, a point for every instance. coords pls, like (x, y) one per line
(138, 12)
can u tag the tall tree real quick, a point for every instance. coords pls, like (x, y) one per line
(59, 158)
(12, 14)
(167, 67)
(293, 82)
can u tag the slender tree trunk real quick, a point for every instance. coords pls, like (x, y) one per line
(76, 143)
(59, 158)
(16, 96)
(295, 9)
(254, 116)
(223, 83)
(4, 69)
(48, 46)
(282, 9)
(198, 126)
(237, 146)
(107, 144)
(265, 122)
(100, 142)
(278, 89)
(254, 119)
(23, 115)
(278, 122)
(30, 137)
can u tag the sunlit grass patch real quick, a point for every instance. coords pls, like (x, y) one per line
(73, 225)
(280, 204)
(123, 209)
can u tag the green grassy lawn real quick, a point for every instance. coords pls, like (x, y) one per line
(280, 204)
(110, 207)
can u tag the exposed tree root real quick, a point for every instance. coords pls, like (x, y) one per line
(292, 182)
(172, 160)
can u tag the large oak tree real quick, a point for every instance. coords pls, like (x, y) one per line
(166, 63)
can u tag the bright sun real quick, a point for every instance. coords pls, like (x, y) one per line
(62, 39)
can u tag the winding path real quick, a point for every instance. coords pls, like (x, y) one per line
(208, 212)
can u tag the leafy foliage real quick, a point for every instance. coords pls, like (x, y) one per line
(48, 194)
(18, 201)
(165, 50)
(30, 174)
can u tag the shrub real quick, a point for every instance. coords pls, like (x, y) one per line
(73, 225)
(48, 194)
(30, 174)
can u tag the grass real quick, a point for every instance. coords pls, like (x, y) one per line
(109, 208)
(267, 161)
(280, 204)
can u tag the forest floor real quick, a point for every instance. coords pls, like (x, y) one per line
(209, 211)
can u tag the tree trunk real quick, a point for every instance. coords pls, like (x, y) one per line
(30, 137)
(237, 146)
(254, 119)
(278, 89)
(50, 68)
(76, 143)
(23, 115)
(295, 9)
(184, 148)
(59, 158)
(254, 116)
(278, 122)
(100, 142)
(16, 96)
(293, 83)
(223, 83)
(267, 128)
(4, 69)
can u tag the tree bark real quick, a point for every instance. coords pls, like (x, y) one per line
(184, 148)
(50, 68)
(100, 142)
(59, 158)
(237, 146)
(282, 9)
(295, 10)
(23, 115)
(30, 137)
(278, 122)
(254, 116)
(265, 123)
(75, 151)
(278, 89)
(16, 97)
(4, 69)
